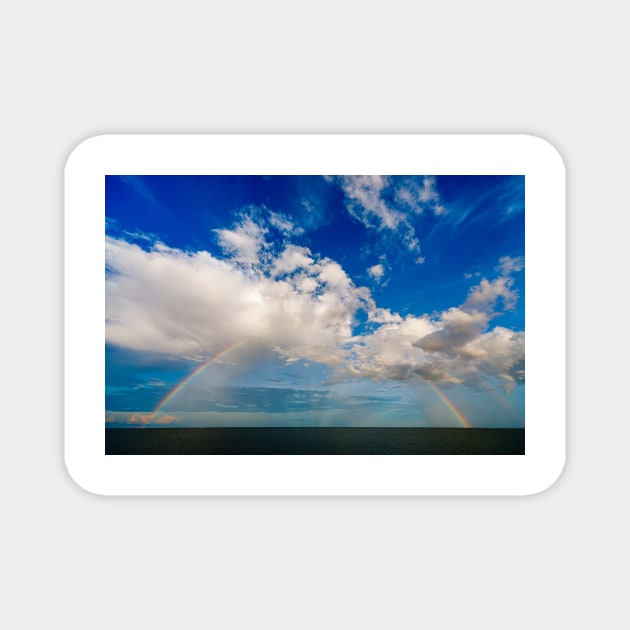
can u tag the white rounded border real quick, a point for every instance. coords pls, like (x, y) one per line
(545, 280)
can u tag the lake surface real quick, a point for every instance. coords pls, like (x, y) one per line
(314, 441)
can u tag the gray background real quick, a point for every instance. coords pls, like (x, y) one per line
(74, 69)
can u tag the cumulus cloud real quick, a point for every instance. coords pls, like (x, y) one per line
(191, 304)
(485, 295)
(376, 271)
(307, 284)
(508, 264)
(457, 328)
(500, 352)
(139, 419)
(458, 346)
(244, 242)
(301, 306)
(292, 258)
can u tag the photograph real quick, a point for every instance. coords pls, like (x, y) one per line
(314, 314)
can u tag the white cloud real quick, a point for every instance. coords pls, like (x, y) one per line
(243, 242)
(283, 224)
(508, 264)
(292, 258)
(416, 197)
(365, 202)
(169, 301)
(300, 306)
(308, 285)
(334, 276)
(500, 352)
(391, 203)
(456, 347)
(428, 192)
(139, 418)
(485, 295)
(376, 271)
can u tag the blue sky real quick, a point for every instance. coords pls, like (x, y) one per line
(315, 301)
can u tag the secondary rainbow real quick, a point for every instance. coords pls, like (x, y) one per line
(192, 375)
(456, 412)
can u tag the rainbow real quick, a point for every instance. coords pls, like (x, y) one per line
(503, 399)
(192, 375)
(456, 412)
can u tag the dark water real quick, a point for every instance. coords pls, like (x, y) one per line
(314, 441)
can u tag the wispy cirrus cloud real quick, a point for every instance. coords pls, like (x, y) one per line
(498, 200)
(140, 187)
(412, 208)
(392, 205)
(365, 201)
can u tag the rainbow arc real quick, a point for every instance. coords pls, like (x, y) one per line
(449, 403)
(192, 375)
